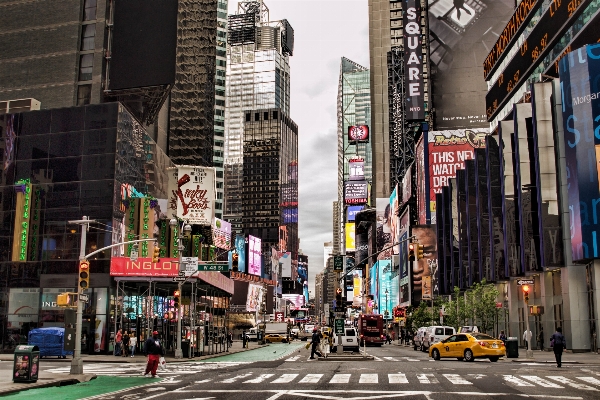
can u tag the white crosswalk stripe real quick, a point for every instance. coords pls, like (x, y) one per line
(589, 379)
(340, 378)
(114, 369)
(259, 379)
(391, 359)
(456, 379)
(235, 378)
(285, 378)
(295, 358)
(311, 378)
(540, 381)
(571, 383)
(427, 378)
(368, 378)
(397, 378)
(516, 381)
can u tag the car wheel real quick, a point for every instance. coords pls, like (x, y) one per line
(493, 359)
(469, 355)
(459, 358)
(435, 354)
(268, 341)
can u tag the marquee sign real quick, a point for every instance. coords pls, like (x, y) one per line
(413, 61)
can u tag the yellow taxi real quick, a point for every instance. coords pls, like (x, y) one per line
(468, 347)
(273, 338)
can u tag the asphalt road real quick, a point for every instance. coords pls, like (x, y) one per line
(396, 372)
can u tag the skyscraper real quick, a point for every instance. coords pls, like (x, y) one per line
(258, 77)
(219, 127)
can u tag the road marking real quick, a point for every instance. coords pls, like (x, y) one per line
(391, 359)
(377, 358)
(571, 383)
(340, 378)
(540, 381)
(204, 381)
(427, 378)
(295, 358)
(368, 378)
(285, 378)
(259, 379)
(235, 378)
(589, 379)
(477, 376)
(456, 379)
(397, 378)
(516, 381)
(311, 378)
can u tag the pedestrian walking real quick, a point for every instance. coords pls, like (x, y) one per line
(526, 338)
(125, 344)
(132, 344)
(558, 344)
(540, 339)
(502, 337)
(118, 342)
(315, 341)
(229, 339)
(154, 349)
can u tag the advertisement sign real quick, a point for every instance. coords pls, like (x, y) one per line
(356, 192)
(302, 268)
(579, 72)
(413, 60)
(406, 186)
(358, 133)
(254, 255)
(352, 211)
(196, 194)
(404, 272)
(286, 265)
(422, 201)
(221, 233)
(385, 287)
(240, 248)
(425, 235)
(290, 215)
(357, 170)
(350, 237)
(23, 306)
(394, 221)
(447, 152)
(255, 297)
(357, 290)
(384, 230)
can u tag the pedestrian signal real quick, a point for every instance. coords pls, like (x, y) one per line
(338, 297)
(84, 275)
(156, 254)
(66, 300)
(411, 252)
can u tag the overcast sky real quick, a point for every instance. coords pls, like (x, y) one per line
(324, 32)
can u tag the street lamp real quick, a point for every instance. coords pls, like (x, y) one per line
(386, 306)
(186, 228)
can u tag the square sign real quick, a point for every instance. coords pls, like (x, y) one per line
(191, 265)
(338, 263)
(339, 326)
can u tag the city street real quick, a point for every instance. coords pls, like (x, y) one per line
(284, 371)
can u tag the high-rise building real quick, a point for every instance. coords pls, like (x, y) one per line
(220, 78)
(270, 181)
(337, 228)
(258, 77)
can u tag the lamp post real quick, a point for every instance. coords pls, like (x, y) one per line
(386, 306)
(186, 229)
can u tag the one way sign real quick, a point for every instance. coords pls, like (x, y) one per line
(521, 282)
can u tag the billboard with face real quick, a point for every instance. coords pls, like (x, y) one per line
(425, 270)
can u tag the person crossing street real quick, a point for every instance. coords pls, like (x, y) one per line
(154, 349)
(315, 341)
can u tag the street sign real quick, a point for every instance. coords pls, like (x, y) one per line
(339, 309)
(521, 282)
(338, 263)
(190, 265)
(220, 267)
(179, 279)
(339, 326)
(84, 298)
(181, 274)
(133, 255)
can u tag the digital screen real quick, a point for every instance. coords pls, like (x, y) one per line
(356, 192)
(352, 211)
(413, 61)
(254, 255)
(358, 133)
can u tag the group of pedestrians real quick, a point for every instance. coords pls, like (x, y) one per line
(558, 343)
(125, 344)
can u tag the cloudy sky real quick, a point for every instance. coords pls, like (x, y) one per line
(324, 32)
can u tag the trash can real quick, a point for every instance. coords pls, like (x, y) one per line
(26, 364)
(512, 347)
(185, 348)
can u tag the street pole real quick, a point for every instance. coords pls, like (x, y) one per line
(185, 228)
(529, 353)
(77, 363)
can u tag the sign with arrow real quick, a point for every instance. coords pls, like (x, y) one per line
(179, 279)
(521, 282)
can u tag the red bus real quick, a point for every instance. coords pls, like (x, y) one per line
(370, 329)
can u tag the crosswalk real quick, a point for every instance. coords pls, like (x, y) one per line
(116, 369)
(392, 359)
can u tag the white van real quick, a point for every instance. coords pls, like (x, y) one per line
(435, 334)
(418, 338)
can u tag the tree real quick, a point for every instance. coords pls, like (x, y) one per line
(476, 306)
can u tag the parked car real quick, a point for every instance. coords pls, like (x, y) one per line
(294, 332)
(468, 329)
(435, 334)
(465, 346)
(418, 338)
(276, 338)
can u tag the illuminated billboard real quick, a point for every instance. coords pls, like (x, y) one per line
(254, 255)
(357, 290)
(357, 170)
(221, 233)
(413, 60)
(352, 211)
(447, 152)
(240, 248)
(255, 297)
(356, 192)
(425, 270)
(358, 133)
(350, 236)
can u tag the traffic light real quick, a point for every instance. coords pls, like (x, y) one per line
(411, 252)
(156, 254)
(84, 275)
(526, 293)
(234, 262)
(338, 297)
(176, 295)
(419, 251)
(66, 300)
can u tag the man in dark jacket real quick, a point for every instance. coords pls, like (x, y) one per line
(316, 339)
(154, 349)
(558, 344)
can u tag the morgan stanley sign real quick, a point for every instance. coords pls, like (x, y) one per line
(413, 61)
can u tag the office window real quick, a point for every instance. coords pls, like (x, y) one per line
(86, 65)
(84, 94)
(88, 34)
(89, 10)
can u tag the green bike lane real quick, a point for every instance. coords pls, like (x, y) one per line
(111, 384)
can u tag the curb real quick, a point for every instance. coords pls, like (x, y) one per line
(52, 383)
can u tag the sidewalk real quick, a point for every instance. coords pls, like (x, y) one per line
(546, 356)
(48, 379)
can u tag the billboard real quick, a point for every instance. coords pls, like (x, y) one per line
(352, 211)
(421, 177)
(357, 170)
(413, 60)
(447, 152)
(254, 255)
(286, 265)
(357, 288)
(385, 287)
(384, 230)
(255, 297)
(406, 187)
(221, 234)
(425, 270)
(290, 215)
(302, 268)
(356, 192)
(192, 194)
(358, 133)
(143, 49)
(579, 72)
(240, 248)
(350, 237)
(394, 220)
(404, 272)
